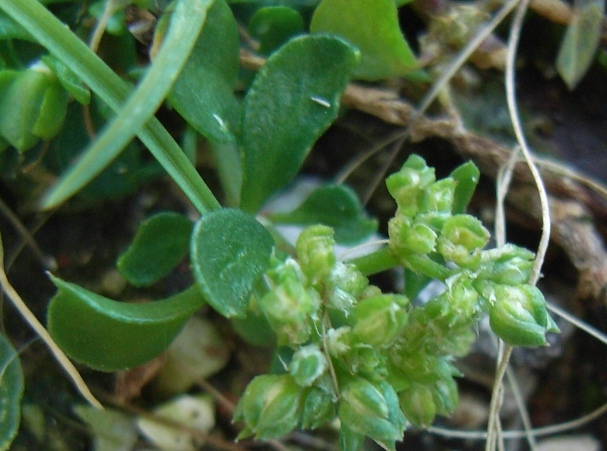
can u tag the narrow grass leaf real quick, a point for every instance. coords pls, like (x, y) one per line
(230, 251)
(292, 101)
(161, 242)
(11, 391)
(372, 27)
(109, 335)
(186, 22)
(86, 65)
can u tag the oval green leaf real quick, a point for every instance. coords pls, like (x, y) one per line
(292, 101)
(161, 242)
(204, 92)
(336, 206)
(109, 335)
(230, 251)
(274, 25)
(372, 27)
(11, 391)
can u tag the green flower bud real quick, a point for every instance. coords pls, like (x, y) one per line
(446, 395)
(380, 319)
(509, 264)
(518, 315)
(347, 277)
(438, 197)
(399, 228)
(417, 403)
(407, 185)
(307, 365)
(461, 301)
(349, 439)
(289, 269)
(461, 239)
(318, 408)
(270, 406)
(421, 239)
(372, 409)
(344, 284)
(339, 341)
(290, 309)
(315, 252)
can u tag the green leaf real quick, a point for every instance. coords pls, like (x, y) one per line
(336, 206)
(11, 391)
(581, 41)
(161, 242)
(33, 104)
(293, 99)
(230, 251)
(74, 53)
(204, 92)
(109, 335)
(467, 176)
(274, 25)
(372, 27)
(186, 21)
(68, 80)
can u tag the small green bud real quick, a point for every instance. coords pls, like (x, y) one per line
(318, 408)
(509, 264)
(446, 395)
(339, 341)
(380, 319)
(344, 284)
(290, 309)
(307, 365)
(407, 185)
(461, 239)
(421, 239)
(270, 406)
(518, 315)
(438, 197)
(315, 251)
(288, 269)
(417, 403)
(349, 439)
(347, 277)
(372, 409)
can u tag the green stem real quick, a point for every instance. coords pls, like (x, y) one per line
(376, 262)
(425, 265)
(66, 46)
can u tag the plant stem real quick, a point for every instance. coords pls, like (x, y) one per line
(376, 262)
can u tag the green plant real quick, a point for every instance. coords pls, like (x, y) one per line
(375, 360)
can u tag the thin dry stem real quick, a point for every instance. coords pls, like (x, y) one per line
(29, 317)
(464, 54)
(513, 41)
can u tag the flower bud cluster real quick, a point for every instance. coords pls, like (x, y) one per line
(424, 224)
(369, 357)
(339, 328)
(424, 233)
